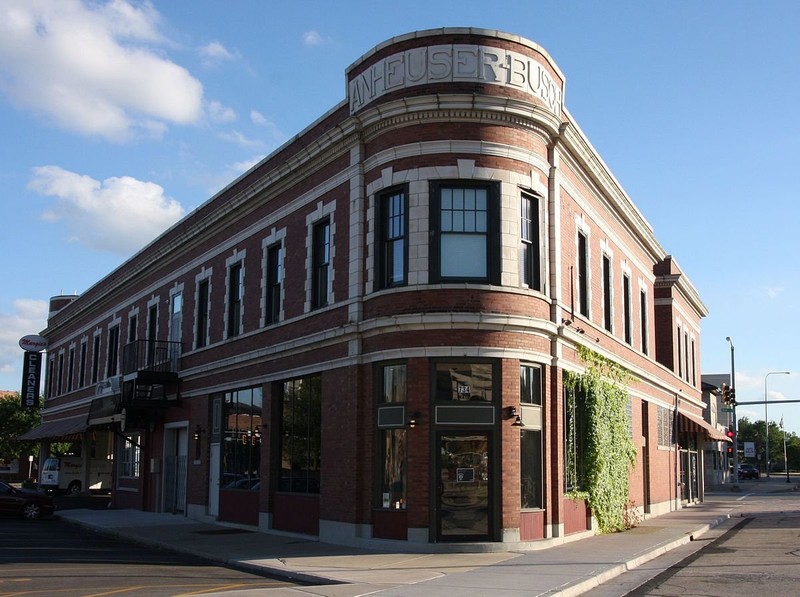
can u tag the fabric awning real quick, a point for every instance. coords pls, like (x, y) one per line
(694, 423)
(57, 428)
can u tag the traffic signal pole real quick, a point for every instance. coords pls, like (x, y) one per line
(735, 485)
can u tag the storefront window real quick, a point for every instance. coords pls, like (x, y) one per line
(301, 435)
(393, 437)
(530, 458)
(464, 382)
(130, 458)
(241, 457)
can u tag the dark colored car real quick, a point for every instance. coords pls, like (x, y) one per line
(24, 502)
(748, 471)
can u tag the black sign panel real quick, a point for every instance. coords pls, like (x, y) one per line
(31, 374)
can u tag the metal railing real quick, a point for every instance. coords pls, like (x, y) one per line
(156, 356)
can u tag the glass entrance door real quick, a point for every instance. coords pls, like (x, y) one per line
(464, 496)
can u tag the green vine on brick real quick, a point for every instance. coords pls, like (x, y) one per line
(608, 450)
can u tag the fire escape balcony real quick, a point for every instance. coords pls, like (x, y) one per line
(150, 373)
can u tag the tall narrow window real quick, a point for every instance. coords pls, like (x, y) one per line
(152, 332)
(176, 317)
(241, 461)
(321, 257)
(583, 274)
(529, 255)
(82, 366)
(133, 328)
(626, 309)
(607, 302)
(530, 468)
(686, 352)
(680, 353)
(71, 369)
(393, 439)
(235, 292)
(96, 359)
(60, 387)
(130, 456)
(392, 244)
(694, 374)
(113, 351)
(273, 282)
(574, 438)
(465, 221)
(300, 457)
(643, 317)
(201, 314)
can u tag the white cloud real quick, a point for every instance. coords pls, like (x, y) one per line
(219, 113)
(257, 117)
(774, 291)
(95, 69)
(27, 317)
(215, 53)
(312, 38)
(119, 214)
(240, 139)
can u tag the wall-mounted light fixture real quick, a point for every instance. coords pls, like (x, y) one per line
(511, 413)
(413, 420)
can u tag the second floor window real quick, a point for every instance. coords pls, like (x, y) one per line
(465, 223)
(321, 260)
(529, 253)
(235, 294)
(201, 314)
(274, 280)
(392, 244)
(627, 321)
(583, 274)
(608, 322)
(113, 351)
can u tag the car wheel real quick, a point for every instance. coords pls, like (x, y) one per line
(74, 488)
(31, 511)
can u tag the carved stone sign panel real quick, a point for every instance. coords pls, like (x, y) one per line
(455, 63)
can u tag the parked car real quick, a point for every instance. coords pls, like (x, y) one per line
(748, 471)
(24, 502)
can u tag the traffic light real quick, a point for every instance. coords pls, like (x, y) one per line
(724, 393)
(732, 396)
(730, 434)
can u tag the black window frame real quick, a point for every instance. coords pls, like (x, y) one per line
(583, 273)
(530, 261)
(608, 320)
(320, 263)
(201, 313)
(627, 310)
(235, 295)
(392, 230)
(304, 473)
(493, 241)
(273, 283)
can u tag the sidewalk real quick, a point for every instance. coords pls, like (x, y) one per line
(340, 571)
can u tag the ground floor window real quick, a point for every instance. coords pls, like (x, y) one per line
(574, 439)
(241, 452)
(130, 456)
(301, 435)
(530, 457)
(394, 468)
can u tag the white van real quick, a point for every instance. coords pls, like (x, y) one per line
(65, 473)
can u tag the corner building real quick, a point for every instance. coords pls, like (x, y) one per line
(364, 337)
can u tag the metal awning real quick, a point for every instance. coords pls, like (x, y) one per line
(696, 424)
(57, 428)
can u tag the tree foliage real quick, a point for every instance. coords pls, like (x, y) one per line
(609, 449)
(753, 431)
(14, 421)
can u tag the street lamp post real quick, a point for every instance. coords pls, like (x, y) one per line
(735, 486)
(766, 419)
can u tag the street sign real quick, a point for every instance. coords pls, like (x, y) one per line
(727, 409)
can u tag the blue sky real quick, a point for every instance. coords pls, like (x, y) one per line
(118, 117)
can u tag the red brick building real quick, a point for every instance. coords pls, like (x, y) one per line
(364, 337)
